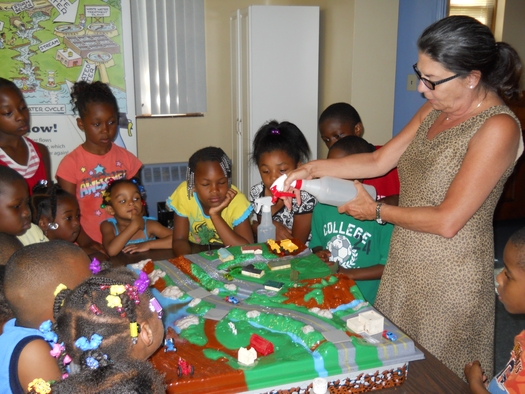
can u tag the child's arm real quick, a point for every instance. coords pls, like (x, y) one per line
(163, 234)
(368, 273)
(181, 231)
(240, 235)
(83, 240)
(36, 362)
(476, 377)
(302, 224)
(46, 159)
(114, 244)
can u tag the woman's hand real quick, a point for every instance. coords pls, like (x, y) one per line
(302, 172)
(362, 207)
(230, 195)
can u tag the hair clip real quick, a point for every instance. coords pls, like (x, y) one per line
(142, 282)
(92, 363)
(155, 306)
(275, 131)
(39, 386)
(93, 308)
(52, 226)
(133, 293)
(59, 288)
(94, 266)
(114, 301)
(42, 182)
(134, 329)
(84, 344)
(57, 350)
(48, 334)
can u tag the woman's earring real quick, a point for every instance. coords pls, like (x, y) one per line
(471, 86)
(52, 226)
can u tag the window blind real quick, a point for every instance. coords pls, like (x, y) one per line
(169, 56)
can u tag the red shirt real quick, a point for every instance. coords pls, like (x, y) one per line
(386, 185)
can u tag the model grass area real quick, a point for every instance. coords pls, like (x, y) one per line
(308, 267)
(200, 276)
(298, 354)
(44, 62)
(239, 256)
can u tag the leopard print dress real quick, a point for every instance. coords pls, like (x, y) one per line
(440, 291)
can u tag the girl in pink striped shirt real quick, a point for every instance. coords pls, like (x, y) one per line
(30, 159)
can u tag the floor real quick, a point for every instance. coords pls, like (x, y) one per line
(507, 325)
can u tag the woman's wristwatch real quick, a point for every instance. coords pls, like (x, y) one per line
(378, 213)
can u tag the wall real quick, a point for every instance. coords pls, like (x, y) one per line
(170, 140)
(513, 31)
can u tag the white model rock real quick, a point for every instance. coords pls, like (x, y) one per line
(246, 357)
(172, 292)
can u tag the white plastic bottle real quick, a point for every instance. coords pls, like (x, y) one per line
(266, 229)
(332, 191)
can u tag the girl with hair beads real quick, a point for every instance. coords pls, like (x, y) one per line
(209, 210)
(57, 214)
(30, 159)
(128, 230)
(105, 330)
(279, 148)
(86, 170)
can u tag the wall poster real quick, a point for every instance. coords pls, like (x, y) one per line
(47, 45)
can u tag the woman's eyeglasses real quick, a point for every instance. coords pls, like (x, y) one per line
(428, 83)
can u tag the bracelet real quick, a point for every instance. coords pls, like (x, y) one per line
(378, 213)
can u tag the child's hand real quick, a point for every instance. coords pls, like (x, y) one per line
(476, 377)
(325, 256)
(230, 195)
(281, 231)
(137, 220)
(136, 248)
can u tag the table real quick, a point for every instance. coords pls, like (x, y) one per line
(429, 376)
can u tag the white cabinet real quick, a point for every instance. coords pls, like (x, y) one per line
(275, 75)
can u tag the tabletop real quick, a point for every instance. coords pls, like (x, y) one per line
(429, 376)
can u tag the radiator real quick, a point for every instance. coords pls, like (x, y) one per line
(160, 181)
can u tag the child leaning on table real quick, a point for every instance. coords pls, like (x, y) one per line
(128, 230)
(32, 276)
(109, 326)
(209, 210)
(360, 248)
(511, 292)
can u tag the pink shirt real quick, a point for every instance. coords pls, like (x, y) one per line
(90, 173)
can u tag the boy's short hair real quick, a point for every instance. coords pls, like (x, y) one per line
(8, 176)
(518, 239)
(342, 112)
(9, 244)
(33, 269)
(352, 144)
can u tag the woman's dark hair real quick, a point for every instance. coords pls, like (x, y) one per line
(210, 153)
(84, 93)
(463, 44)
(44, 201)
(352, 144)
(84, 311)
(284, 136)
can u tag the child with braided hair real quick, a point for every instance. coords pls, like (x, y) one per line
(209, 210)
(57, 213)
(109, 324)
(85, 171)
(32, 275)
(128, 230)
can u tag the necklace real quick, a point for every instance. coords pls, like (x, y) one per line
(477, 106)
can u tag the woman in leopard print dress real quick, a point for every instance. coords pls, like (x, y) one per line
(453, 159)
